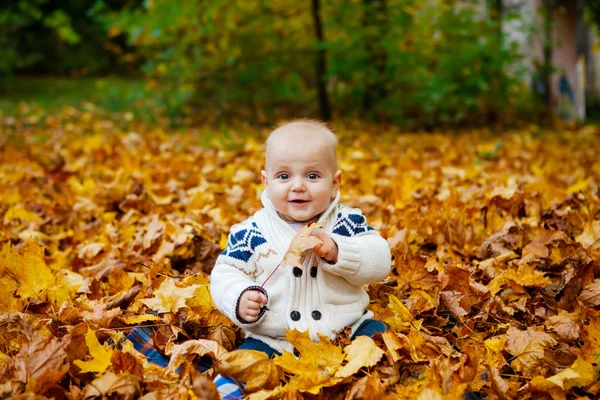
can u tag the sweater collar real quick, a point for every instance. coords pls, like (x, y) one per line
(271, 208)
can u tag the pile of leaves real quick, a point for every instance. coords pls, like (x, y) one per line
(105, 226)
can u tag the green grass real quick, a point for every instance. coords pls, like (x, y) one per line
(53, 94)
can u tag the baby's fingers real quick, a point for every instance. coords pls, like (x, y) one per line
(262, 299)
(257, 298)
(322, 236)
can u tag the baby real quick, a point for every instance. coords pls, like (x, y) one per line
(302, 183)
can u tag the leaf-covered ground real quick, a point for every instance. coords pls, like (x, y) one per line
(106, 225)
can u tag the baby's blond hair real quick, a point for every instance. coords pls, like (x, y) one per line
(305, 124)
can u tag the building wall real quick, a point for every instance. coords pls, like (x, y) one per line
(593, 84)
(564, 56)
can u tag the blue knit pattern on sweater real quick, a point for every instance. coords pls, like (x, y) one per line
(351, 225)
(241, 244)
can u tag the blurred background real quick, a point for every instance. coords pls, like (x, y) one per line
(421, 64)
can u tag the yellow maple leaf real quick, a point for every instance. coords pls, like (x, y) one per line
(29, 269)
(300, 243)
(8, 302)
(590, 234)
(527, 275)
(68, 285)
(201, 298)
(493, 351)
(402, 319)
(138, 319)
(579, 186)
(363, 352)
(100, 355)
(170, 298)
(581, 373)
(317, 364)
(591, 340)
(18, 212)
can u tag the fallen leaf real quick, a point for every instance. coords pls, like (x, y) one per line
(46, 363)
(199, 347)
(169, 297)
(251, 367)
(29, 269)
(566, 325)
(527, 275)
(126, 386)
(316, 365)
(581, 373)
(528, 349)
(363, 352)
(590, 295)
(100, 355)
(138, 319)
(590, 235)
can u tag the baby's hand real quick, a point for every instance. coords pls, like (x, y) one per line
(250, 304)
(328, 249)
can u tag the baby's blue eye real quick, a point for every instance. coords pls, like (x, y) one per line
(283, 176)
(313, 176)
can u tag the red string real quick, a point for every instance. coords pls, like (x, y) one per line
(276, 268)
(278, 265)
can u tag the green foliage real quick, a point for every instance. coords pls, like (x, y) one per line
(408, 61)
(592, 13)
(30, 95)
(419, 63)
(15, 18)
(220, 55)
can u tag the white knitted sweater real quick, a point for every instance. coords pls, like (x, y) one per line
(321, 297)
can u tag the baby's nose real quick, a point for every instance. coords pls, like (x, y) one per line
(298, 184)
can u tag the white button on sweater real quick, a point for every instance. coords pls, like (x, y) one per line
(325, 303)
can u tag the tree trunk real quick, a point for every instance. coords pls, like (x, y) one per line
(375, 28)
(547, 68)
(496, 8)
(321, 63)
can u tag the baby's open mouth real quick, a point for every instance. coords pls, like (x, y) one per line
(299, 201)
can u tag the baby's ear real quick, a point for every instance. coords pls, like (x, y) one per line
(337, 181)
(263, 177)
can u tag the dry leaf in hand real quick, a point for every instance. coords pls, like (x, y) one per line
(301, 242)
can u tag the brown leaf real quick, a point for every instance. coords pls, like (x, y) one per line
(46, 362)
(204, 387)
(529, 350)
(538, 245)
(126, 362)
(249, 366)
(566, 325)
(224, 336)
(199, 347)
(451, 300)
(127, 387)
(590, 294)
(413, 272)
(370, 387)
(124, 298)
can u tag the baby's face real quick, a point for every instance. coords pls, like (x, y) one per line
(300, 176)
